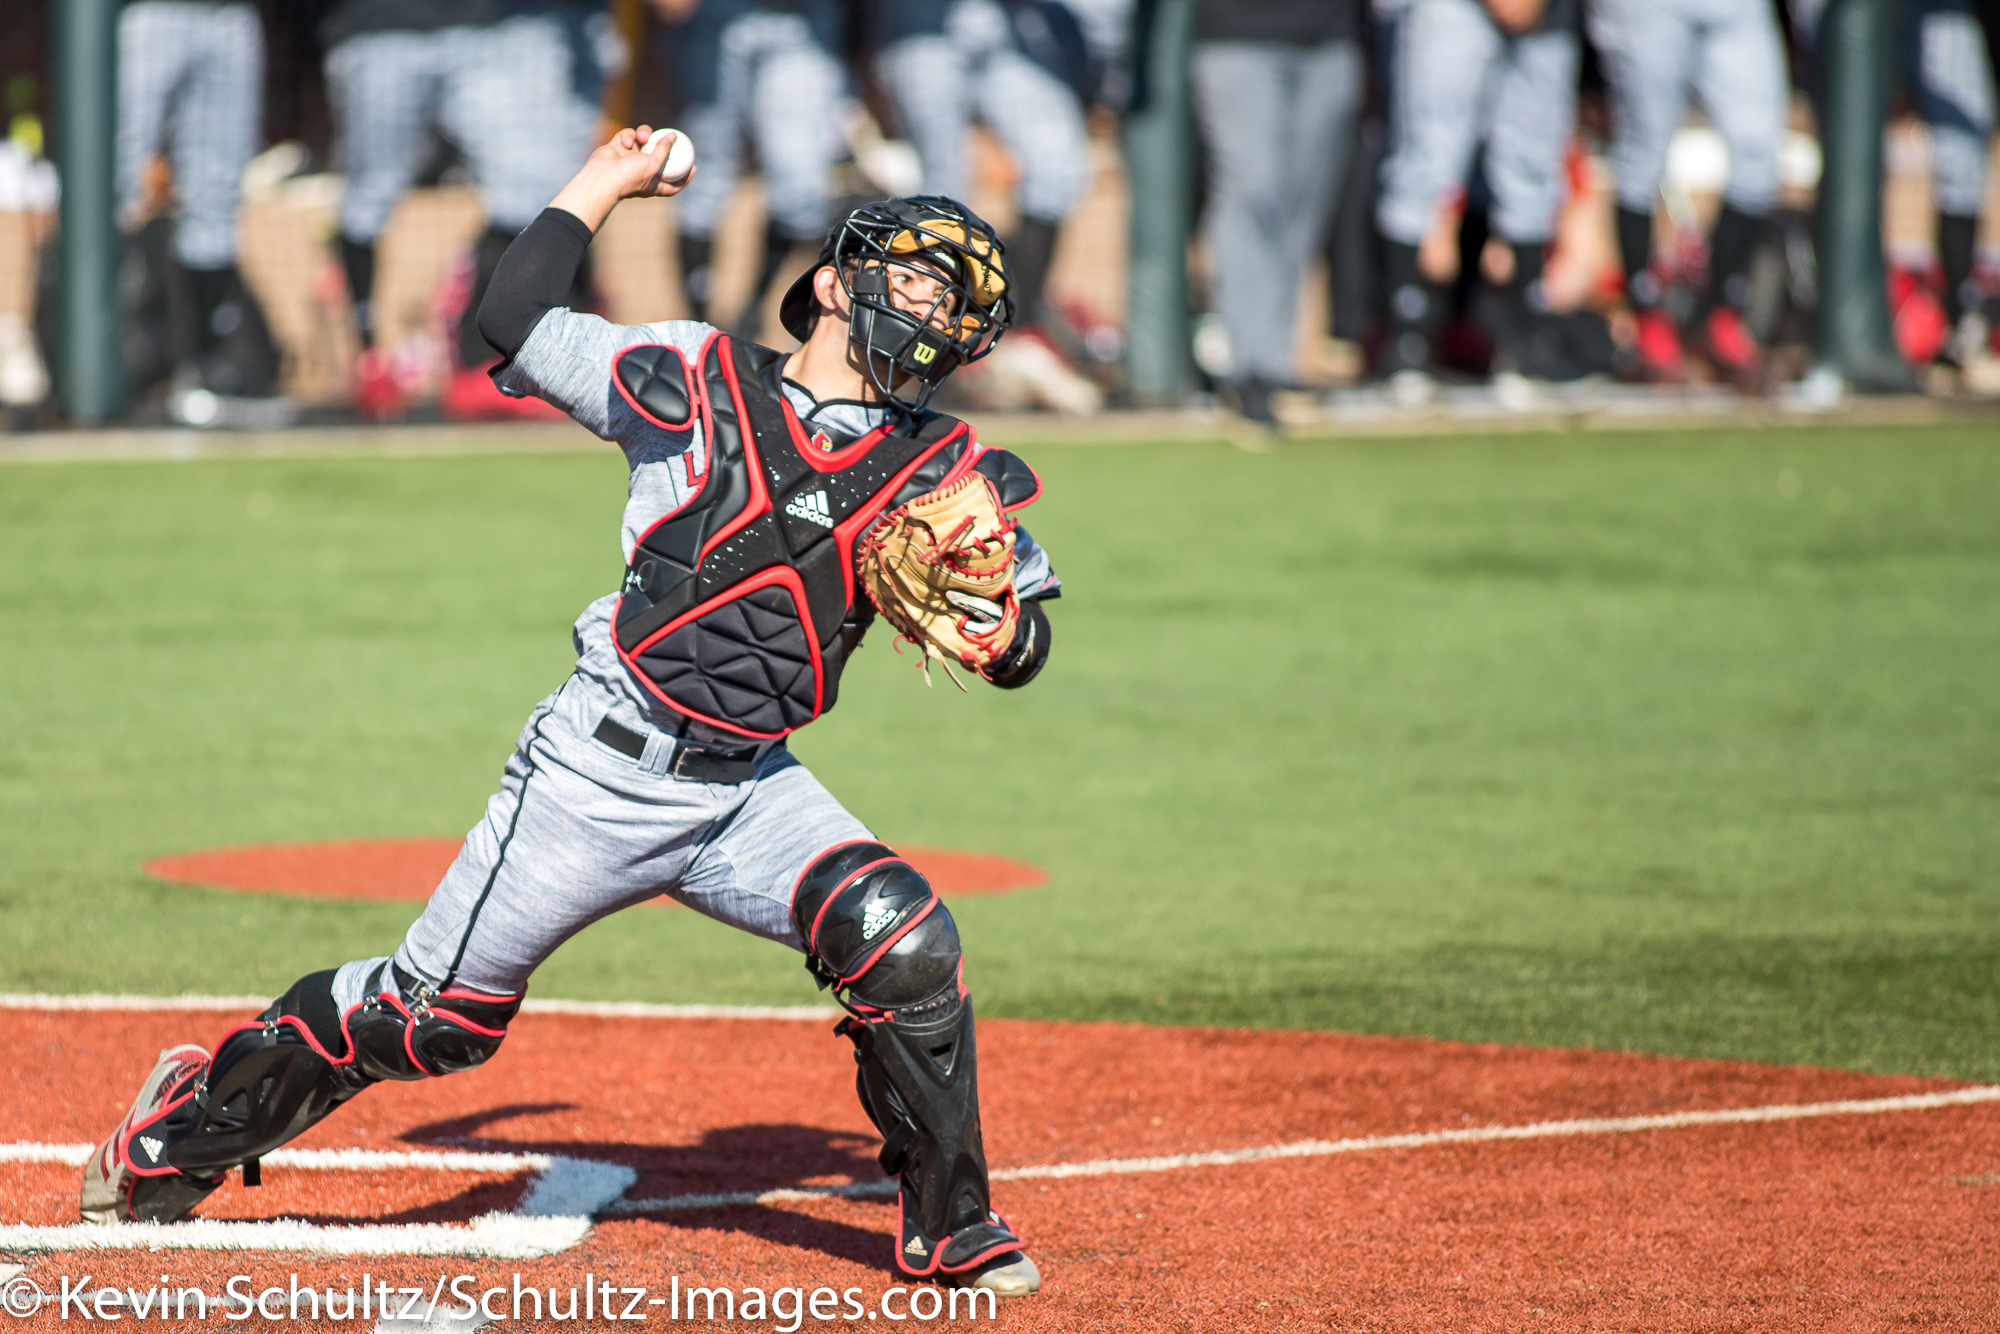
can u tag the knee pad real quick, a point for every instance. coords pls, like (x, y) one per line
(403, 1029)
(874, 928)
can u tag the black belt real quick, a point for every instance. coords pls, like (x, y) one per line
(700, 764)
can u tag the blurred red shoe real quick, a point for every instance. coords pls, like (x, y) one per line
(1917, 316)
(377, 396)
(1660, 356)
(1732, 349)
(473, 397)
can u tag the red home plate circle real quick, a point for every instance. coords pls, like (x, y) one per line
(408, 869)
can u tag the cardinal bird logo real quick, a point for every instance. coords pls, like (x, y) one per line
(822, 442)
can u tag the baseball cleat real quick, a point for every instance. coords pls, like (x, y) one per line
(1661, 358)
(377, 394)
(1011, 1275)
(113, 1191)
(1733, 350)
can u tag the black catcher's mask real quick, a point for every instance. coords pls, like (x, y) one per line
(938, 238)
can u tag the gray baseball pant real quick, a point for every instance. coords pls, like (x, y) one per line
(191, 77)
(1278, 124)
(941, 81)
(1730, 54)
(1459, 79)
(1955, 97)
(779, 88)
(579, 830)
(509, 94)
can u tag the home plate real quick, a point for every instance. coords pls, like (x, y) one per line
(553, 1215)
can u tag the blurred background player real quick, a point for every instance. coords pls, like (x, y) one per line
(513, 85)
(191, 82)
(1277, 86)
(1504, 72)
(1021, 68)
(1950, 75)
(1729, 54)
(763, 72)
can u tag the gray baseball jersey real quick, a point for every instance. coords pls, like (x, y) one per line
(579, 829)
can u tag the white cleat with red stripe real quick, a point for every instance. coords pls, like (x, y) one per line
(108, 1178)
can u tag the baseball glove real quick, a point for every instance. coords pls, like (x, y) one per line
(941, 570)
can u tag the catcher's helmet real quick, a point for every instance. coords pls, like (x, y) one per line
(938, 237)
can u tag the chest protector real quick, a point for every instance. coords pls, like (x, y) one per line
(740, 607)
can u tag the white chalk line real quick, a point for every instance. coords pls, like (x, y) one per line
(1320, 1148)
(253, 1004)
(354, 1160)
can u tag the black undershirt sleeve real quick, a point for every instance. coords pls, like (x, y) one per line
(533, 278)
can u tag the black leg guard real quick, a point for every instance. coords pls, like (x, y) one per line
(405, 1029)
(275, 1078)
(876, 932)
(266, 1084)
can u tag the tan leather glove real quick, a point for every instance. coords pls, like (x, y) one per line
(941, 570)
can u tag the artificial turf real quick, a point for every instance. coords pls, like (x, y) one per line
(1679, 742)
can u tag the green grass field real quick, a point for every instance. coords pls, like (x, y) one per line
(1685, 743)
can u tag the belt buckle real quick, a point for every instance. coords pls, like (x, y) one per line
(681, 755)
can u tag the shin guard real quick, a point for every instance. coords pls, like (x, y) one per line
(269, 1081)
(876, 933)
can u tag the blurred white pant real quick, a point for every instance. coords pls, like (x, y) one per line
(191, 79)
(1954, 95)
(1729, 54)
(1459, 80)
(941, 81)
(1278, 123)
(510, 95)
(780, 89)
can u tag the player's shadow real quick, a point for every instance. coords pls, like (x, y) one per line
(726, 1160)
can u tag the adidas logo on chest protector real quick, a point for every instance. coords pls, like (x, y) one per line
(812, 507)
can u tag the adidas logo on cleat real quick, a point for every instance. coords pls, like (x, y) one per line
(152, 1147)
(812, 507)
(916, 1246)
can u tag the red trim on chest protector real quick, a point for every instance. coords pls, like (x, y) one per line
(776, 574)
(718, 350)
(760, 499)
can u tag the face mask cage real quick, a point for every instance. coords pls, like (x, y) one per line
(956, 327)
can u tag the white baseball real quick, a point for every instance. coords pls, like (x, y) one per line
(680, 158)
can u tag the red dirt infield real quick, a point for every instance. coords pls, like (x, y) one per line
(408, 869)
(1842, 1222)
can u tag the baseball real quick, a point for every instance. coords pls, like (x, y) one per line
(680, 158)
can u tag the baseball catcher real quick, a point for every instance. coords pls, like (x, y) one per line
(777, 504)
